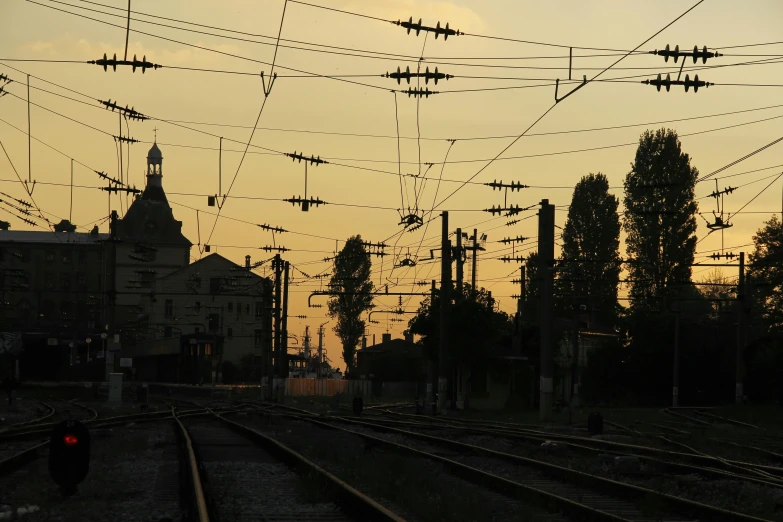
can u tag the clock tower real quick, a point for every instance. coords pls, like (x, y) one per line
(149, 241)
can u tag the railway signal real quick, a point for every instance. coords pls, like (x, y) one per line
(69, 455)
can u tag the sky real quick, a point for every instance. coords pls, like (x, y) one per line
(330, 100)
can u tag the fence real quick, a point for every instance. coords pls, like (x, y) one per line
(329, 387)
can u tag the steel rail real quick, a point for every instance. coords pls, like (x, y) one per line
(680, 505)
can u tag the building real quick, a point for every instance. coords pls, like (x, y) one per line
(392, 360)
(53, 293)
(148, 245)
(209, 312)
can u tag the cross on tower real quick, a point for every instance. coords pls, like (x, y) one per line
(156, 134)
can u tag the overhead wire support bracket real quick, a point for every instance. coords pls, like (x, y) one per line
(312, 160)
(507, 259)
(418, 93)
(270, 228)
(510, 210)
(727, 255)
(695, 54)
(142, 64)
(305, 203)
(125, 140)
(109, 178)
(557, 86)
(438, 30)
(427, 75)
(115, 189)
(274, 249)
(128, 113)
(668, 82)
(267, 89)
(518, 239)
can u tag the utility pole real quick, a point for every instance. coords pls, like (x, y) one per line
(473, 268)
(455, 370)
(111, 283)
(284, 332)
(738, 391)
(320, 350)
(575, 355)
(459, 263)
(676, 380)
(275, 367)
(433, 385)
(445, 302)
(546, 256)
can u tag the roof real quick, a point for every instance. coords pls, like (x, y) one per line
(212, 261)
(150, 219)
(392, 345)
(49, 237)
(154, 152)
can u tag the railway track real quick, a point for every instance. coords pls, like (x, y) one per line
(580, 495)
(265, 488)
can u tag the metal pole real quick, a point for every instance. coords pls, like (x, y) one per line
(284, 334)
(445, 302)
(320, 350)
(575, 355)
(738, 390)
(459, 264)
(546, 256)
(473, 269)
(521, 303)
(433, 386)
(220, 168)
(278, 301)
(119, 142)
(29, 153)
(127, 31)
(70, 212)
(676, 380)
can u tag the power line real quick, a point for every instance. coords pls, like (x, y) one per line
(556, 102)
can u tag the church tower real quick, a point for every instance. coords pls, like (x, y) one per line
(155, 166)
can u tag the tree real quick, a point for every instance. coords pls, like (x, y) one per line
(590, 269)
(716, 288)
(765, 275)
(660, 220)
(353, 295)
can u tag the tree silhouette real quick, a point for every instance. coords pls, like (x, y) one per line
(590, 259)
(660, 220)
(351, 282)
(765, 275)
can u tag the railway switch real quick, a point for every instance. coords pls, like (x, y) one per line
(69, 455)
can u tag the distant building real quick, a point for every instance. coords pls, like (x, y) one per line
(392, 360)
(53, 292)
(224, 307)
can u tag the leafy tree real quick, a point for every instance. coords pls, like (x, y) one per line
(353, 288)
(476, 328)
(660, 220)
(531, 307)
(765, 275)
(715, 286)
(591, 260)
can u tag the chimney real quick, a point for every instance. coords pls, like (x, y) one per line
(408, 337)
(385, 337)
(364, 342)
(247, 262)
(373, 339)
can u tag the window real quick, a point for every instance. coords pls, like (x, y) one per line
(198, 305)
(239, 309)
(207, 349)
(258, 338)
(65, 282)
(49, 281)
(169, 308)
(197, 330)
(167, 331)
(247, 309)
(67, 257)
(81, 281)
(214, 322)
(23, 310)
(230, 307)
(229, 332)
(65, 308)
(215, 284)
(50, 256)
(259, 310)
(82, 255)
(25, 255)
(47, 309)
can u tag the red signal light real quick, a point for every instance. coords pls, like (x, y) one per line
(70, 440)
